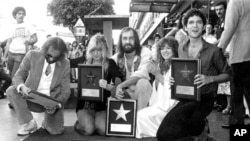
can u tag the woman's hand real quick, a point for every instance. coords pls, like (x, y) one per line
(201, 80)
(103, 83)
(171, 81)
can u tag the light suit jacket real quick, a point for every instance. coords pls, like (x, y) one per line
(30, 72)
(237, 31)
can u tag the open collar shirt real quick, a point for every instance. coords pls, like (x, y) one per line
(140, 64)
(213, 62)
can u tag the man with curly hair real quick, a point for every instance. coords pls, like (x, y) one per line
(22, 36)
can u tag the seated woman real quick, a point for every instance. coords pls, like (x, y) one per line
(91, 116)
(149, 118)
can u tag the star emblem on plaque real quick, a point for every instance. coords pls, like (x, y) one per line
(121, 113)
(185, 72)
(121, 117)
(88, 87)
(90, 78)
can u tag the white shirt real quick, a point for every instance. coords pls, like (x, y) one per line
(142, 71)
(210, 39)
(19, 34)
(160, 103)
(45, 81)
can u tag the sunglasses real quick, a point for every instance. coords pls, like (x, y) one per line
(52, 57)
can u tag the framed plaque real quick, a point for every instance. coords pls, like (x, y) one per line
(183, 72)
(121, 118)
(39, 102)
(88, 83)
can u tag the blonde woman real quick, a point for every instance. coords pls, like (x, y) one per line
(91, 116)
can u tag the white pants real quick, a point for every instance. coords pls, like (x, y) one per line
(141, 92)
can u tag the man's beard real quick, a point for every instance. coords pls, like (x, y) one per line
(127, 49)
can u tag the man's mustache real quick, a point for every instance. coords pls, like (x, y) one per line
(128, 45)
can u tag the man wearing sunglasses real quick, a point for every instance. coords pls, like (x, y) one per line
(48, 72)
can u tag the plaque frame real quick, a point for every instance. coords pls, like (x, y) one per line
(91, 89)
(184, 87)
(108, 130)
(39, 102)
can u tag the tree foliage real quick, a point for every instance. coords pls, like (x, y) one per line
(66, 12)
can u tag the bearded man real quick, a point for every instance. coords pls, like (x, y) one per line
(133, 61)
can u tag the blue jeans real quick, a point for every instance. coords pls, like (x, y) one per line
(14, 61)
(89, 121)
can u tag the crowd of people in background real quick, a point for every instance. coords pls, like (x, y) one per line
(212, 35)
(143, 73)
(76, 50)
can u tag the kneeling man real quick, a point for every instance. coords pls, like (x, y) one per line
(48, 72)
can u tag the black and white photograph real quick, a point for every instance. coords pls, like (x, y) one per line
(124, 70)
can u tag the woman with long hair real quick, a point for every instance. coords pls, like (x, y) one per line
(149, 118)
(91, 116)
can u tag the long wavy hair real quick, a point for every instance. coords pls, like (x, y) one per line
(137, 42)
(98, 41)
(57, 44)
(171, 42)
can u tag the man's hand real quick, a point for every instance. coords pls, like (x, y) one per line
(201, 80)
(159, 79)
(25, 90)
(53, 110)
(50, 110)
(27, 43)
(119, 92)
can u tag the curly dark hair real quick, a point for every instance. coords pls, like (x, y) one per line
(194, 12)
(222, 3)
(16, 10)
